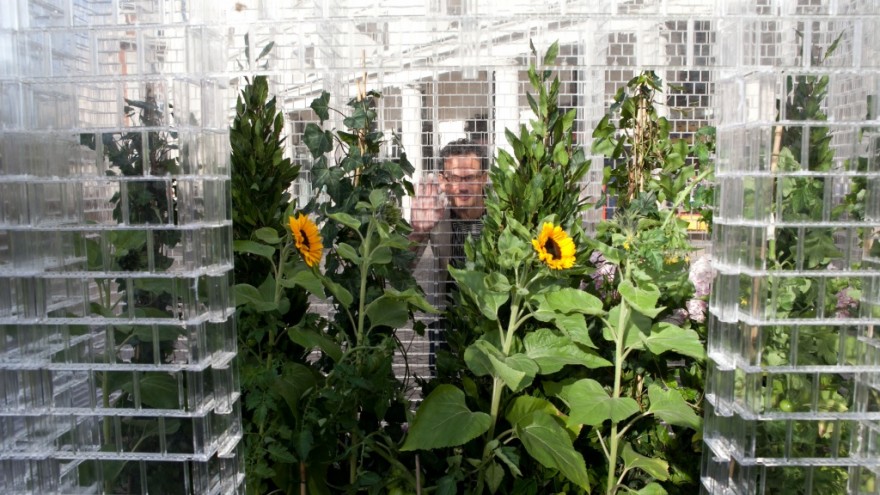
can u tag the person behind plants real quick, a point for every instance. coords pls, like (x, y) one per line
(445, 211)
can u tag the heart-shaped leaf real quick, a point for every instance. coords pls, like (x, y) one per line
(643, 300)
(590, 404)
(668, 337)
(444, 420)
(671, 407)
(552, 351)
(548, 443)
(657, 468)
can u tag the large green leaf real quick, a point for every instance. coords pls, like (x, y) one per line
(671, 407)
(494, 476)
(548, 443)
(388, 312)
(317, 140)
(307, 280)
(575, 326)
(248, 294)
(635, 331)
(476, 357)
(590, 404)
(267, 235)
(253, 247)
(382, 255)
(348, 252)
(311, 340)
(473, 284)
(412, 297)
(566, 301)
(657, 468)
(321, 106)
(340, 293)
(523, 406)
(668, 337)
(346, 219)
(641, 299)
(444, 420)
(378, 197)
(516, 371)
(509, 456)
(295, 380)
(552, 351)
(652, 489)
(157, 390)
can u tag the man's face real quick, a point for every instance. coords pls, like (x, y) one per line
(462, 181)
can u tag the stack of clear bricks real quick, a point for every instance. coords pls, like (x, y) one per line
(117, 341)
(116, 332)
(792, 403)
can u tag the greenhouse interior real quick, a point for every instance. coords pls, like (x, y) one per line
(440, 247)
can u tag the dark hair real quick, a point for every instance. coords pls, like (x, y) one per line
(464, 147)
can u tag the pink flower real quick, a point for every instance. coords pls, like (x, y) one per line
(697, 310)
(701, 275)
(847, 306)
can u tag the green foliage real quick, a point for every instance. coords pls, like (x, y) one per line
(260, 179)
(803, 198)
(261, 174)
(641, 257)
(355, 416)
(645, 159)
(574, 375)
(334, 421)
(518, 323)
(140, 158)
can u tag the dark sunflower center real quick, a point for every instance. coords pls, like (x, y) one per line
(305, 237)
(551, 247)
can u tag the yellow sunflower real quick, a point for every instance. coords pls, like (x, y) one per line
(307, 239)
(554, 247)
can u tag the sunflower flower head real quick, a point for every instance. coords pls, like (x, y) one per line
(307, 239)
(554, 247)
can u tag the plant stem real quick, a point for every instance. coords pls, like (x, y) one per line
(352, 460)
(365, 265)
(359, 334)
(498, 388)
(613, 437)
(278, 289)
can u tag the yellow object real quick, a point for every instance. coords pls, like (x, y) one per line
(695, 222)
(307, 239)
(554, 247)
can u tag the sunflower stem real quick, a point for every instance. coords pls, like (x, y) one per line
(365, 266)
(613, 436)
(497, 389)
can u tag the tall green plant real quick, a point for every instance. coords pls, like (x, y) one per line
(652, 442)
(345, 409)
(518, 321)
(146, 202)
(803, 199)
(573, 359)
(261, 178)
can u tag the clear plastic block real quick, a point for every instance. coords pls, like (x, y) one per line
(792, 398)
(117, 342)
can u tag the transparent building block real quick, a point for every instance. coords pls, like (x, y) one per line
(117, 340)
(792, 404)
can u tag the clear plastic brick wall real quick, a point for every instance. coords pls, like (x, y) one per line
(792, 400)
(117, 342)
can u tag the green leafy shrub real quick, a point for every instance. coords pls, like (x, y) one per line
(342, 408)
(561, 345)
